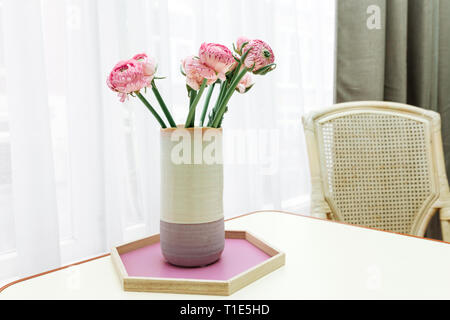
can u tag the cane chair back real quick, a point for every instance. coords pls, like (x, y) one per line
(376, 164)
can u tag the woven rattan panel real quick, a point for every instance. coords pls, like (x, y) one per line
(377, 167)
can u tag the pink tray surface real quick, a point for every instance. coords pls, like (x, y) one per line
(238, 256)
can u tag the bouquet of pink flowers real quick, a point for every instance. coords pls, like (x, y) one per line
(214, 65)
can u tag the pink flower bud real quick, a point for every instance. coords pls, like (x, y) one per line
(217, 57)
(239, 42)
(246, 82)
(148, 62)
(127, 77)
(260, 55)
(196, 71)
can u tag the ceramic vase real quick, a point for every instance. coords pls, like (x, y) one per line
(192, 225)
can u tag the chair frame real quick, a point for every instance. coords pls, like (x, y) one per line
(322, 205)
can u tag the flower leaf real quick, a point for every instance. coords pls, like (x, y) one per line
(246, 89)
(189, 89)
(245, 53)
(244, 44)
(266, 69)
(249, 87)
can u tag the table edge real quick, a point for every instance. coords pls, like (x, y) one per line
(233, 218)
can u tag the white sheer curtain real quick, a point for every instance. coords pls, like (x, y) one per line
(79, 171)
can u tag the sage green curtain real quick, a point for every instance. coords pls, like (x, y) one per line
(396, 50)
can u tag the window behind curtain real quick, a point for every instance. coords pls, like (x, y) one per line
(301, 32)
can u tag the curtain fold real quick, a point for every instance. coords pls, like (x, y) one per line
(395, 79)
(32, 170)
(396, 50)
(360, 51)
(114, 166)
(85, 161)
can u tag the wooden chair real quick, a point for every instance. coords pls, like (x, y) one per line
(378, 164)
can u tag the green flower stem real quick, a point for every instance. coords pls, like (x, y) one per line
(224, 102)
(192, 95)
(163, 105)
(223, 88)
(205, 106)
(152, 110)
(241, 61)
(190, 119)
(220, 123)
(237, 69)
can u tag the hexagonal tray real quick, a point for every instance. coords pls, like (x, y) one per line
(141, 266)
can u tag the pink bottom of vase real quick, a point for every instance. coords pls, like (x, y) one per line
(192, 245)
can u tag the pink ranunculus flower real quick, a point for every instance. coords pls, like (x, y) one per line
(196, 71)
(127, 77)
(149, 63)
(260, 54)
(239, 42)
(245, 83)
(217, 57)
